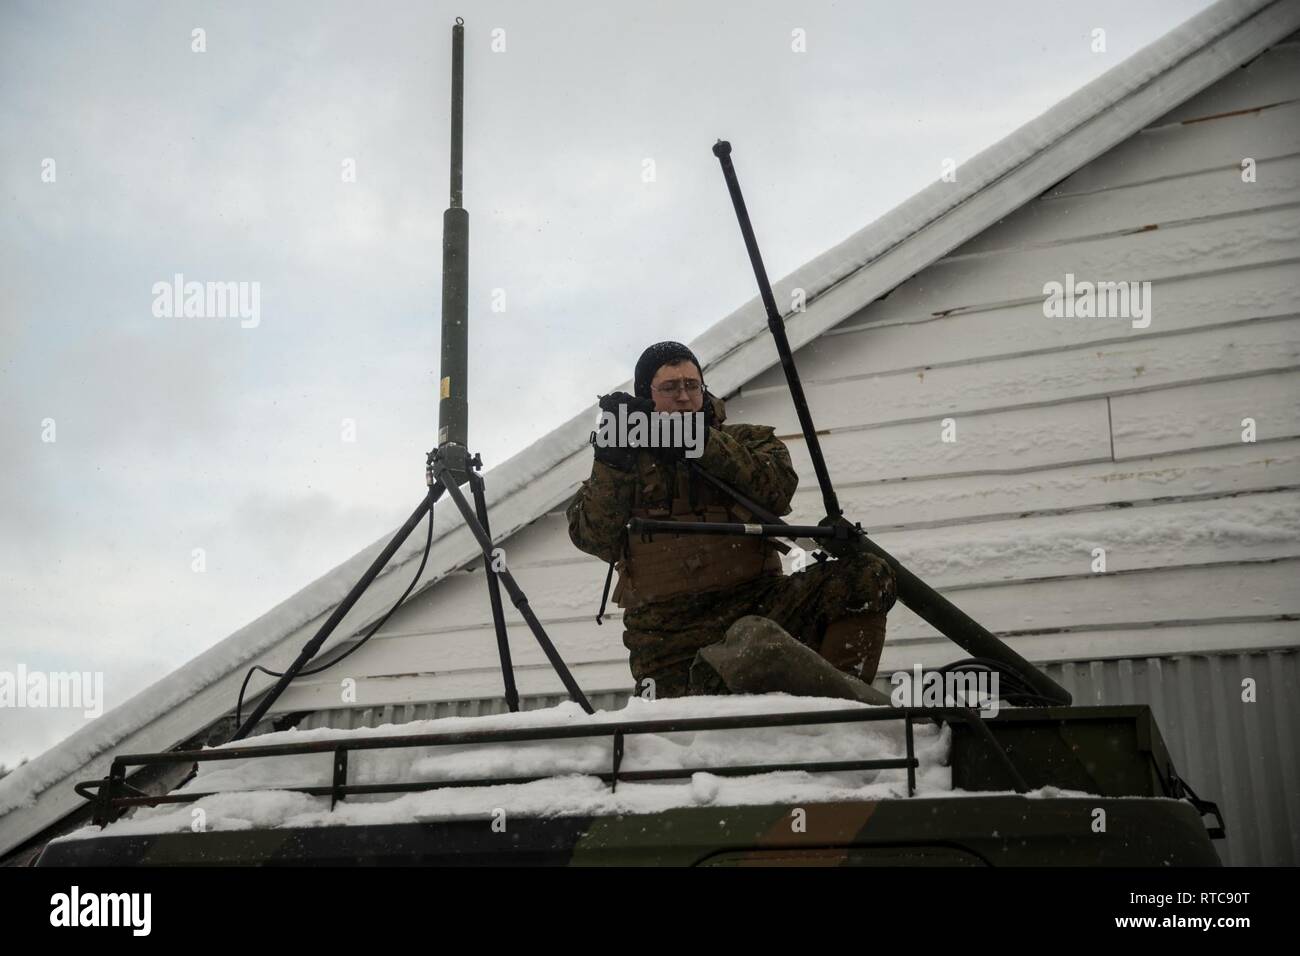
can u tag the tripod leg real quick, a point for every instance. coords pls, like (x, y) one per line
(517, 596)
(494, 596)
(310, 649)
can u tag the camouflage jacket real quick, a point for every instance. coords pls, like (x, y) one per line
(749, 458)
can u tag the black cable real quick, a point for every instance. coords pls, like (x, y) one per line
(428, 543)
(1020, 693)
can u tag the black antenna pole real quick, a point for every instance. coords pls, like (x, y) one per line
(449, 465)
(839, 536)
(722, 150)
(453, 385)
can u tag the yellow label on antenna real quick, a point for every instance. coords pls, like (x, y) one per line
(446, 387)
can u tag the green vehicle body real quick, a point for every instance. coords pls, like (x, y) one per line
(1136, 813)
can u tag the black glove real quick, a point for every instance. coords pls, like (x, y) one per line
(673, 454)
(613, 455)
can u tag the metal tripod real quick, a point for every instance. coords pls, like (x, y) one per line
(450, 464)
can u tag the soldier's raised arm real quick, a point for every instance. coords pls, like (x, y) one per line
(755, 462)
(603, 504)
(600, 510)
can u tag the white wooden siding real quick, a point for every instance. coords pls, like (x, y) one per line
(1072, 434)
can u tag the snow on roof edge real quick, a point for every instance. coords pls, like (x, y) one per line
(714, 346)
(979, 172)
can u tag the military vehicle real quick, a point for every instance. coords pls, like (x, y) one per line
(1127, 807)
(1040, 783)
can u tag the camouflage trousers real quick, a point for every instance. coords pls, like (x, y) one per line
(664, 636)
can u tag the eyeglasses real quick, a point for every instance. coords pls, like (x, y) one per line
(692, 386)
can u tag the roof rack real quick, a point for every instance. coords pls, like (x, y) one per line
(112, 795)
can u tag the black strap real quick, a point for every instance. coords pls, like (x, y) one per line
(604, 597)
(609, 575)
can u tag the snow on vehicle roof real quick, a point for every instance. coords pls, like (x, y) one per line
(837, 283)
(248, 794)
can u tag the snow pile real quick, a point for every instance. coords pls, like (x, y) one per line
(246, 794)
(1262, 526)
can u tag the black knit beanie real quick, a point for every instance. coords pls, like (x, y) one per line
(656, 356)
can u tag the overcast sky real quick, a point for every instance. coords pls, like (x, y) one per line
(174, 433)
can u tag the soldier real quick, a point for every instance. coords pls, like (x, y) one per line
(714, 613)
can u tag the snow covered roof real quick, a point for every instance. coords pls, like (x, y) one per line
(251, 791)
(837, 284)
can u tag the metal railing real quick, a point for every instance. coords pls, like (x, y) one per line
(113, 795)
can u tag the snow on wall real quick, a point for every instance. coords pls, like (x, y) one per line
(1071, 435)
(868, 341)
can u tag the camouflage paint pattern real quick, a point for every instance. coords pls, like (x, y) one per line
(1115, 753)
(948, 831)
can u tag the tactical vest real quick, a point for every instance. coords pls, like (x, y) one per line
(667, 565)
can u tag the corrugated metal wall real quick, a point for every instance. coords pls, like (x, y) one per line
(1242, 755)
